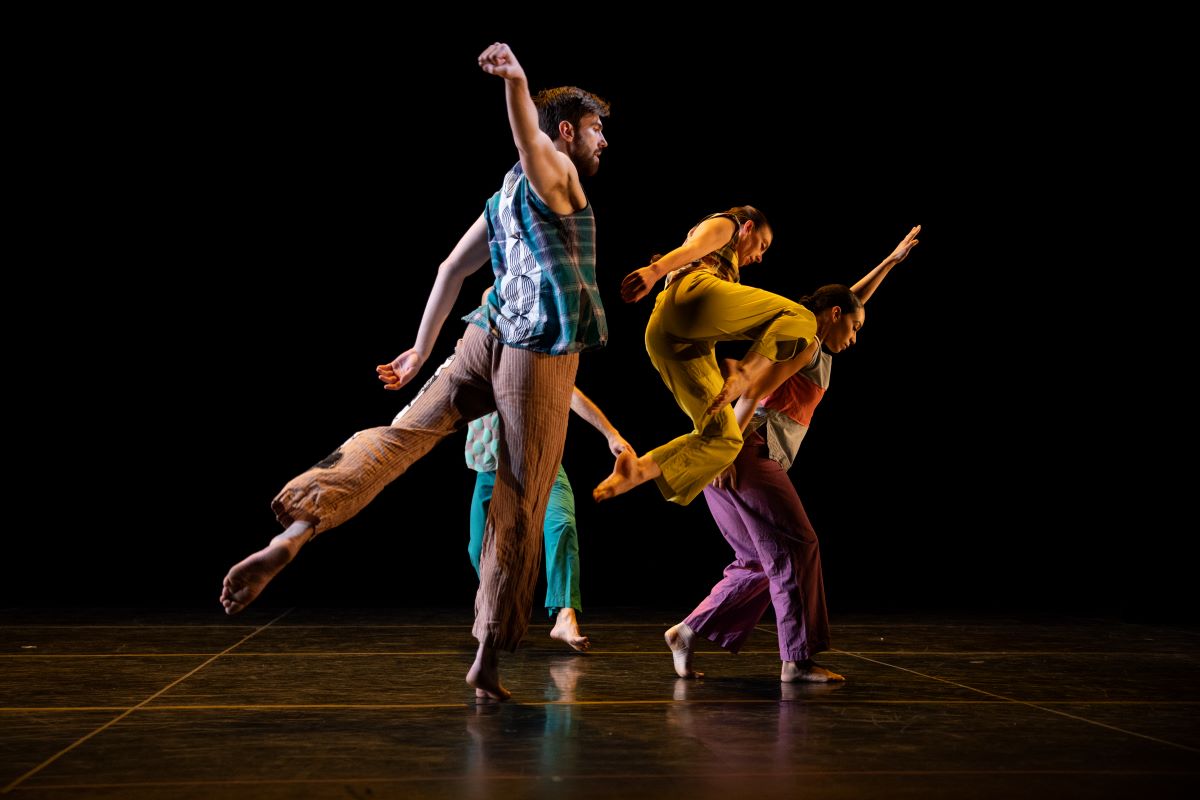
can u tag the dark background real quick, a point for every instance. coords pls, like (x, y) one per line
(250, 224)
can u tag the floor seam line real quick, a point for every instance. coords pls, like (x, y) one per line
(134, 708)
(1026, 703)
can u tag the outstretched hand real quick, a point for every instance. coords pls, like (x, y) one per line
(902, 250)
(618, 445)
(400, 370)
(638, 284)
(498, 59)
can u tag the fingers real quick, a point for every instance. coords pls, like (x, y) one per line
(633, 287)
(721, 399)
(725, 479)
(492, 51)
(632, 294)
(716, 407)
(907, 244)
(392, 378)
(397, 382)
(495, 55)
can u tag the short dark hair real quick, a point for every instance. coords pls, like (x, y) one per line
(568, 103)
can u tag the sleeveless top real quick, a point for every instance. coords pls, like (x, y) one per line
(545, 296)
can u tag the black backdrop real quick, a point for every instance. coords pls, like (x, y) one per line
(249, 228)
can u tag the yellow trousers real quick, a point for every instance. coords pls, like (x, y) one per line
(690, 316)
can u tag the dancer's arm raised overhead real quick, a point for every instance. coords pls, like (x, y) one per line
(868, 283)
(775, 374)
(551, 172)
(553, 176)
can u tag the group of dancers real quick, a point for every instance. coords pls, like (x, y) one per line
(511, 386)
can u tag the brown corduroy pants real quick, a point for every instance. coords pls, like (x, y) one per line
(532, 392)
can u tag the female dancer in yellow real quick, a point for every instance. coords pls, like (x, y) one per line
(702, 304)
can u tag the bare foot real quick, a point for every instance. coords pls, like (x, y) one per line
(679, 639)
(807, 672)
(249, 577)
(484, 675)
(628, 472)
(566, 629)
(482, 698)
(799, 690)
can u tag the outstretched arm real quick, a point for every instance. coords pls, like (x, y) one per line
(778, 372)
(550, 172)
(867, 285)
(706, 237)
(584, 407)
(468, 255)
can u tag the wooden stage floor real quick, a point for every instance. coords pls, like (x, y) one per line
(371, 703)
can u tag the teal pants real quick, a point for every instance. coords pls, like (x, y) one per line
(559, 531)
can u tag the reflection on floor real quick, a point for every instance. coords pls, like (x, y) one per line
(372, 703)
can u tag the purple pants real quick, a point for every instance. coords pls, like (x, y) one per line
(777, 560)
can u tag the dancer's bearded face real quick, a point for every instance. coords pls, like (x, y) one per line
(584, 150)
